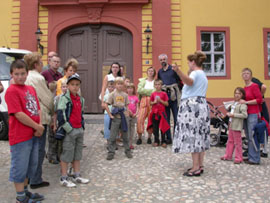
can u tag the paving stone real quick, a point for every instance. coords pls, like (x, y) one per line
(152, 175)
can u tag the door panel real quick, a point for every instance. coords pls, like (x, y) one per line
(96, 47)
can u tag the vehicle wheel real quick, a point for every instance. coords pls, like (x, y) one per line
(214, 139)
(3, 128)
(244, 143)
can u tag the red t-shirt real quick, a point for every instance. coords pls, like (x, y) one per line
(159, 107)
(75, 118)
(253, 92)
(21, 98)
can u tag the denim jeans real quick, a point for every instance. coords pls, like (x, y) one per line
(24, 160)
(106, 126)
(249, 123)
(37, 179)
(172, 106)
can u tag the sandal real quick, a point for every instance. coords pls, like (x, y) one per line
(224, 159)
(194, 173)
(201, 168)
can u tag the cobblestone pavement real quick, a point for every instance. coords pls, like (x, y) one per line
(153, 175)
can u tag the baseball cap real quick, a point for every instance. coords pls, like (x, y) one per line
(74, 77)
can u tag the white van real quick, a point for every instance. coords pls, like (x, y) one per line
(7, 56)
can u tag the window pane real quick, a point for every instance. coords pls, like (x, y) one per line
(219, 42)
(205, 41)
(219, 63)
(207, 64)
(5, 62)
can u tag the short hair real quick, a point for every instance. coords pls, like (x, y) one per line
(247, 69)
(242, 90)
(198, 57)
(158, 81)
(31, 59)
(18, 64)
(155, 72)
(162, 55)
(64, 82)
(119, 80)
(73, 63)
(131, 85)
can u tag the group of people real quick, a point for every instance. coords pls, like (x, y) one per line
(42, 101)
(47, 101)
(172, 91)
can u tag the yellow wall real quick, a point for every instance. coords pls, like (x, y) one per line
(246, 19)
(6, 23)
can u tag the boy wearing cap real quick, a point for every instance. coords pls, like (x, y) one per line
(70, 118)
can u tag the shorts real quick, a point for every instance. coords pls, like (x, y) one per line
(72, 146)
(24, 160)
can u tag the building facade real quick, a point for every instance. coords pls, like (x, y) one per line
(233, 34)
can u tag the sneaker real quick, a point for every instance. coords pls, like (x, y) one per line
(129, 155)
(81, 180)
(149, 141)
(52, 161)
(164, 145)
(139, 141)
(34, 196)
(67, 183)
(155, 144)
(110, 156)
(28, 200)
(264, 155)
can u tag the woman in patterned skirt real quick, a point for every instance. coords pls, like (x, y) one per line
(193, 120)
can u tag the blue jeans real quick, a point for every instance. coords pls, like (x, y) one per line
(249, 123)
(24, 160)
(172, 106)
(106, 126)
(37, 179)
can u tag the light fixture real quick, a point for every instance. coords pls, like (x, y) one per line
(38, 34)
(147, 33)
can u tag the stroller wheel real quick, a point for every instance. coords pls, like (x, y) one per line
(244, 143)
(214, 139)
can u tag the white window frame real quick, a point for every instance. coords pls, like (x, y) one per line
(212, 52)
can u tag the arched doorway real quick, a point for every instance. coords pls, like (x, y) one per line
(96, 47)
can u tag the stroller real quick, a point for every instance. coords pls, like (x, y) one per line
(219, 122)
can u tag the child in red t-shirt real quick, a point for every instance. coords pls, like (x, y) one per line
(157, 118)
(24, 131)
(133, 108)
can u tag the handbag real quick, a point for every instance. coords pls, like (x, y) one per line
(60, 133)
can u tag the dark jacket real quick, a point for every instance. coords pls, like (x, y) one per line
(64, 109)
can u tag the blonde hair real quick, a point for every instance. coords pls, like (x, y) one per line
(131, 85)
(119, 80)
(64, 82)
(31, 59)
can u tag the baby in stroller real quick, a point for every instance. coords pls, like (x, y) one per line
(219, 122)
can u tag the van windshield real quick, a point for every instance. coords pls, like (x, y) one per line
(5, 62)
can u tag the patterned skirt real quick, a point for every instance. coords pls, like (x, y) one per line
(192, 130)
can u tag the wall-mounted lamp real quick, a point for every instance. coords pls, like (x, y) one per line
(147, 33)
(38, 36)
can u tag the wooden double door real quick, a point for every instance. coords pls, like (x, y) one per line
(96, 47)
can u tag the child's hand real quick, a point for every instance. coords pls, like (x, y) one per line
(54, 128)
(230, 115)
(175, 67)
(111, 116)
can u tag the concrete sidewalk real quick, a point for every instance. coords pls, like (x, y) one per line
(153, 175)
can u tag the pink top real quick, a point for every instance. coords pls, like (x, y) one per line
(253, 92)
(133, 101)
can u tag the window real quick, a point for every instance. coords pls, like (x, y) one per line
(266, 33)
(214, 42)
